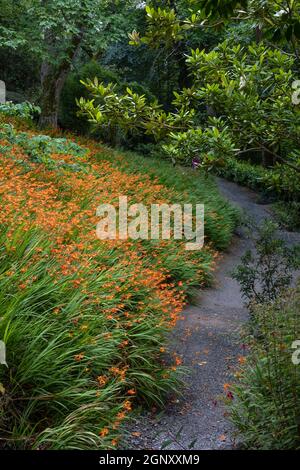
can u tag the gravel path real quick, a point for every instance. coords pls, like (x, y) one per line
(208, 341)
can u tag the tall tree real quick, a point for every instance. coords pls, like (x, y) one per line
(58, 30)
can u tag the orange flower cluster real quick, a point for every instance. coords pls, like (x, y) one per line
(62, 203)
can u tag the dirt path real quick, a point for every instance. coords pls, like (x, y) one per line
(208, 341)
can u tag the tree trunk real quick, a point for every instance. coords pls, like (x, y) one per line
(52, 84)
(53, 78)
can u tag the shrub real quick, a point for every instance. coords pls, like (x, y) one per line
(244, 173)
(279, 182)
(288, 215)
(233, 82)
(265, 274)
(74, 89)
(24, 110)
(201, 144)
(265, 402)
(285, 182)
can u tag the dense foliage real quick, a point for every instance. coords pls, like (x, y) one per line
(264, 402)
(240, 100)
(210, 84)
(263, 276)
(85, 321)
(56, 33)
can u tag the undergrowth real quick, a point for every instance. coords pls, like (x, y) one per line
(85, 321)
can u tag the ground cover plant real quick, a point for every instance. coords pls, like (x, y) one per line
(264, 400)
(85, 321)
(239, 99)
(264, 403)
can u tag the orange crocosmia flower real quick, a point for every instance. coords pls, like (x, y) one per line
(104, 432)
(178, 361)
(127, 405)
(79, 357)
(116, 424)
(114, 442)
(23, 285)
(121, 415)
(242, 359)
(102, 380)
(52, 200)
(226, 387)
(115, 370)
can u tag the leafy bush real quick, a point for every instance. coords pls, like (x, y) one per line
(234, 83)
(279, 182)
(288, 215)
(201, 144)
(285, 182)
(264, 275)
(264, 401)
(244, 173)
(264, 404)
(24, 110)
(74, 89)
(39, 148)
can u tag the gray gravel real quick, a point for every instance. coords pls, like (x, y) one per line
(209, 342)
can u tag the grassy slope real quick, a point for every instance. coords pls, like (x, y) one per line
(190, 186)
(85, 321)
